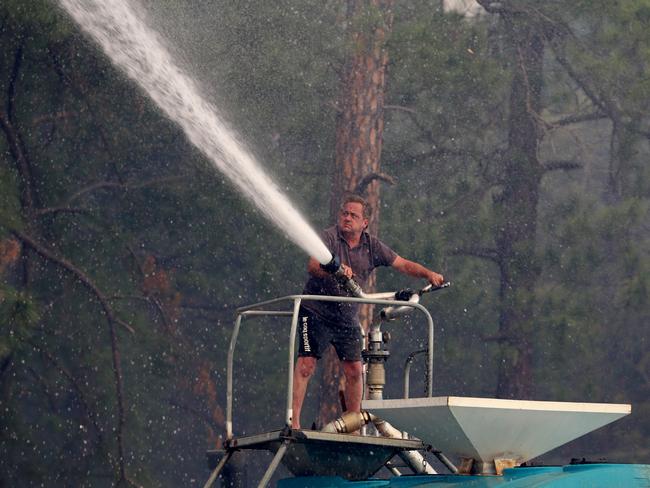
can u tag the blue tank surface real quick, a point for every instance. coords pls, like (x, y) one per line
(571, 476)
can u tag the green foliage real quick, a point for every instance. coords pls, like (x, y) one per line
(37, 14)
(431, 54)
(19, 315)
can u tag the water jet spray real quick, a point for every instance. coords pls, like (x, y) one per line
(119, 29)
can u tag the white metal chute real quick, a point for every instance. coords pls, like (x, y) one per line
(486, 429)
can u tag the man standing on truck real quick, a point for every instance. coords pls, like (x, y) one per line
(323, 323)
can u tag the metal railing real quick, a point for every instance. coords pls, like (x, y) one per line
(253, 310)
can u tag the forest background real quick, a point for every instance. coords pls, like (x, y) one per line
(514, 160)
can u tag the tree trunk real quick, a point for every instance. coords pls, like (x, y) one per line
(359, 135)
(517, 214)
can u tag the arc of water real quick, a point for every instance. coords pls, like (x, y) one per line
(136, 49)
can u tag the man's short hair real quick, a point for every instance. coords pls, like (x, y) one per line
(357, 199)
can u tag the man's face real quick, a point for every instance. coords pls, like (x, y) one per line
(351, 220)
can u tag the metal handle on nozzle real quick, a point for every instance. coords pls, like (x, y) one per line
(430, 287)
(334, 267)
(391, 313)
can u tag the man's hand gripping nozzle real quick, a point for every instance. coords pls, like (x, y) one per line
(334, 267)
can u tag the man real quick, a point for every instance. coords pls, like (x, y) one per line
(324, 323)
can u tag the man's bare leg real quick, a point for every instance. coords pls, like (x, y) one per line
(305, 367)
(353, 371)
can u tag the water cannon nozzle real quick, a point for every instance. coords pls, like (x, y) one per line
(333, 266)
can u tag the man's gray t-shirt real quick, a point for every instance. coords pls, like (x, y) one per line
(368, 255)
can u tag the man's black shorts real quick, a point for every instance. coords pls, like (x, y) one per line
(316, 334)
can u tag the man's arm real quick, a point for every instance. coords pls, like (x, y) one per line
(416, 270)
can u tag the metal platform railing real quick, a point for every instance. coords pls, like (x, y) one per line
(254, 310)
